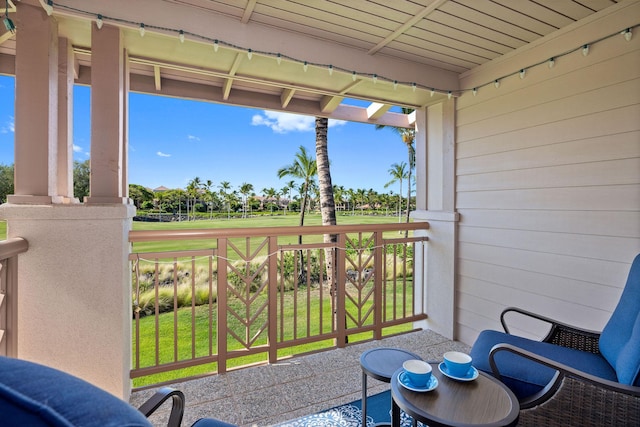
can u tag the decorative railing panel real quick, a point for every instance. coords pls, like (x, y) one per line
(258, 294)
(9, 250)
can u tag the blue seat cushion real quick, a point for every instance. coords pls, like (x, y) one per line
(525, 377)
(36, 395)
(620, 339)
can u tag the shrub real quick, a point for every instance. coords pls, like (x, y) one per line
(166, 274)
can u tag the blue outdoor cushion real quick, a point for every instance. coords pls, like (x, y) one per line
(620, 339)
(36, 395)
(525, 377)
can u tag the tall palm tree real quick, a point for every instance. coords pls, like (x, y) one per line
(245, 190)
(351, 194)
(338, 194)
(327, 204)
(208, 196)
(303, 167)
(398, 173)
(408, 138)
(224, 187)
(193, 189)
(269, 194)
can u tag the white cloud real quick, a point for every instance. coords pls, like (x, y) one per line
(10, 126)
(161, 154)
(77, 148)
(284, 122)
(193, 138)
(287, 122)
(333, 122)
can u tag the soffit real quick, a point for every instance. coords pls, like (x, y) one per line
(429, 42)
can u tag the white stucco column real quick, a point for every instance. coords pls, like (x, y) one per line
(74, 282)
(65, 120)
(108, 108)
(36, 112)
(435, 203)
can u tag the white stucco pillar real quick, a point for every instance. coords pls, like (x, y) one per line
(74, 282)
(36, 113)
(66, 77)
(108, 108)
(435, 203)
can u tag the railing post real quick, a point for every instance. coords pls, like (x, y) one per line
(222, 305)
(340, 318)
(273, 299)
(378, 283)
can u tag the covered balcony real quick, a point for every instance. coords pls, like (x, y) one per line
(527, 159)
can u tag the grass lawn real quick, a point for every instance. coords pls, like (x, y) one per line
(260, 221)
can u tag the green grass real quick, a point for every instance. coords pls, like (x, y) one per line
(261, 221)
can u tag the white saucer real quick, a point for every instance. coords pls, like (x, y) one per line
(472, 374)
(403, 379)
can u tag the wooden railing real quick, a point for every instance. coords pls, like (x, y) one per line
(9, 250)
(239, 296)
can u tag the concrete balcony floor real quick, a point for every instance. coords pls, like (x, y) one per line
(268, 394)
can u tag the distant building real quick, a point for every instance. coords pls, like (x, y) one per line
(161, 189)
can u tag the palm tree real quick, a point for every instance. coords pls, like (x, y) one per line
(338, 194)
(208, 196)
(269, 194)
(245, 190)
(398, 173)
(351, 194)
(193, 189)
(303, 167)
(408, 137)
(224, 187)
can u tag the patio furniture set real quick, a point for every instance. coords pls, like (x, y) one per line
(571, 377)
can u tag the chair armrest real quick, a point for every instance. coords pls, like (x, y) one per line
(560, 333)
(562, 372)
(160, 396)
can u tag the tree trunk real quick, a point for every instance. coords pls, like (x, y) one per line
(327, 202)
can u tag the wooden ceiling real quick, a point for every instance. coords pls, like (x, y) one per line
(375, 54)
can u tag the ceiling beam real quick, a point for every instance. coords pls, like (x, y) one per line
(286, 96)
(76, 66)
(156, 78)
(248, 11)
(410, 23)
(376, 110)
(239, 97)
(328, 104)
(226, 89)
(6, 36)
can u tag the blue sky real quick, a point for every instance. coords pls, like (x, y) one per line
(171, 141)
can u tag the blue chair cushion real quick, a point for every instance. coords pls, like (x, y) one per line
(525, 377)
(36, 395)
(620, 339)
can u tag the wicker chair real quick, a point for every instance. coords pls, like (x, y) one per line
(572, 376)
(36, 395)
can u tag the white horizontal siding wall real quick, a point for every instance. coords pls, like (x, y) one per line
(548, 181)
